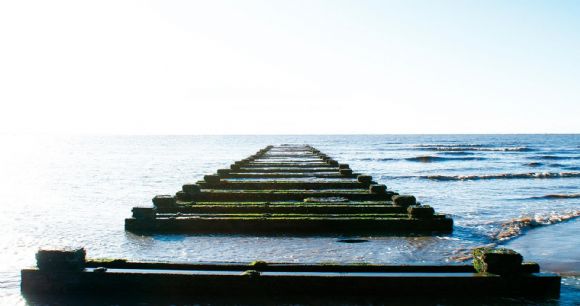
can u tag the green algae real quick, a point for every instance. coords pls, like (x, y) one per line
(106, 261)
(258, 264)
(251, 273)
(287, 191)
(242, 216)
(185, 204)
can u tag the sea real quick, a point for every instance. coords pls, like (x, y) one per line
(515, 191)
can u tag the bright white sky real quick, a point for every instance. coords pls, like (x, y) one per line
(297, 67)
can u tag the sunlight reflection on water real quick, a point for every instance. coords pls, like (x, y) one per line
(65, 191)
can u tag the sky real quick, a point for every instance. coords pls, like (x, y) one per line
(289, 67)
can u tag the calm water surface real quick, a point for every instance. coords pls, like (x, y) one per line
(522, 191)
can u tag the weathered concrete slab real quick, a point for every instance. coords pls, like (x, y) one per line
(117, 276)
(245, 169)
(265, 224)
(282, 185)
(287, 175)
(286, 195)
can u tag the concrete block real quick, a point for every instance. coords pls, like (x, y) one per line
(212, 179)
(223, 171)
(61, 260)
(365, 179)
(343, 166)
(497, 261)
(164, 201)
(346, 171)
(378, 188)
(404, 200)
(144, 213)
(191, 189)
(420, 211)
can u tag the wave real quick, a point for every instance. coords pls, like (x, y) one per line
(502, 176)
(465, 254)
(556, 196)
(516, 227)
(451, 145)
(457, 153)
(539, 164)
(473, 147)
(554, 157)
(423, 159)
(376, 159)
(430, 158)
(453, 149)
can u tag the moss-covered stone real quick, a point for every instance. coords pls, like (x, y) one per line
(164, 201)
(345, 171)
(144, 213)
(404, 200)
(378, 188)
(420, 211)
(61, 260)
(365, 179)
(191, 189)
(181, 196)
(332, 162)
(223, 171)
(343, 166)
(500, 261)
(212, 179)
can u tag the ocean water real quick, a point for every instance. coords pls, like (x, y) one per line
(519, 191)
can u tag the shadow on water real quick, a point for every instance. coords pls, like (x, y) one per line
(330, 234)
(146, 300)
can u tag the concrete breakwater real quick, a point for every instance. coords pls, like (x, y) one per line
(281, 190)
(495, 272)
(287, 189)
